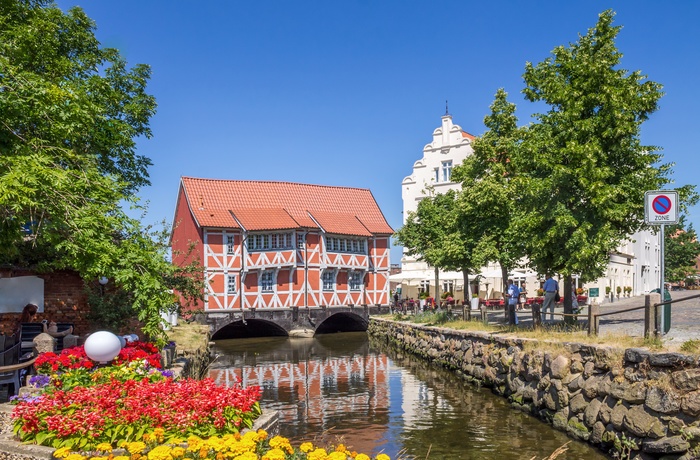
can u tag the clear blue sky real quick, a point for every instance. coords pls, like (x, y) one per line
(348, 92)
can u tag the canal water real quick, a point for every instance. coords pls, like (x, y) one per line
(345, 388)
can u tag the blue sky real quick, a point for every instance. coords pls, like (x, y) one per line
(348, 92)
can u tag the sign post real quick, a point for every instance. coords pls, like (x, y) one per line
(661, 208)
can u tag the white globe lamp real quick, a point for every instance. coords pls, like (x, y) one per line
(102, 346)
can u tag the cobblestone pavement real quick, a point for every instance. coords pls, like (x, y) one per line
(685, 317)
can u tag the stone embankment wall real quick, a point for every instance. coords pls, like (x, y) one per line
(632, 403)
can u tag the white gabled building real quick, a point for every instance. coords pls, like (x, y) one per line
(634, 264)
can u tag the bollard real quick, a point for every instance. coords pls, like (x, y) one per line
(484, 315)
(44, 343)
(593, 310)
(536, 315)
(648, 315)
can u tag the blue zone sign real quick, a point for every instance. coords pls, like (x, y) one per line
(661, 207)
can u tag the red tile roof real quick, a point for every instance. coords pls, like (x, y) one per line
(266, 205)
(468, 136)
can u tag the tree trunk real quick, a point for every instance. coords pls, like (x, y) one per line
(437, 287)
(467, 287)
(568, 307)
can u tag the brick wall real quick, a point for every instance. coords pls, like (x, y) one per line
(64, 300)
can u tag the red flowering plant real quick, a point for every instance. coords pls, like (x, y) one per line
(72, 368)
(87, 416)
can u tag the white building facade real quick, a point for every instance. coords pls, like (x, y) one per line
(635, 265)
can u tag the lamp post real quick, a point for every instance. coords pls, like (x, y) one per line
(103, 281)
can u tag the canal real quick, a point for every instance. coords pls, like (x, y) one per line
(346, 388)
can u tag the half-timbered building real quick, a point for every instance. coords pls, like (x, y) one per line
(281, 244)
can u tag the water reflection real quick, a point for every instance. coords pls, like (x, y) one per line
(380, 400)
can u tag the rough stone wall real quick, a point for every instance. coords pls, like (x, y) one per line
(631, 403)
(64, 300)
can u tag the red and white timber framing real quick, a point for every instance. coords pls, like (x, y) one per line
(296, 272)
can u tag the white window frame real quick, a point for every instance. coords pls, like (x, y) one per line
(447, 170)
(230, 284)
(230, 247)
(328, 280)
(267, 281)
(355, 280)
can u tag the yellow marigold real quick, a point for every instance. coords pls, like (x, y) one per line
(149, 437)
(274, 454)
(62, 452)
(341, 448)
(337, 456)
(215, 443)
(219, 456)
(177, 452)
(318, 454)
(262, 435)
(135, 447)
(203, 451)
(383, 457)
(121, 457)
(159, 431)
(278, 441)
(136, 456)
(103, 447)
(75, 457)
(247, 456)
(306, 447)
(160, 453)
(361, 457)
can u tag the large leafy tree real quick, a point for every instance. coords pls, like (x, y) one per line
(489, 199)
(587, 170)
(70, 114)
(681, 251)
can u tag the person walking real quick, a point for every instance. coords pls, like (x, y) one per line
(551, 287)
(513, 296)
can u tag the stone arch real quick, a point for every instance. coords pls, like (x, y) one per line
(242, 329)
(342, 322)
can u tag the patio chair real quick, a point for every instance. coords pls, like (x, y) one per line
(10, 366)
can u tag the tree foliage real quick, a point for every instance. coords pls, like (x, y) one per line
(70, 114)
(489, 199)
(681, 251)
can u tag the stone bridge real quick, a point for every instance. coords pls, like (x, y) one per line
(293, 321)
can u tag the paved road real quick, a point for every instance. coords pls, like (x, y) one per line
(685, 318)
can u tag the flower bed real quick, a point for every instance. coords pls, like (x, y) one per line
(85, 411)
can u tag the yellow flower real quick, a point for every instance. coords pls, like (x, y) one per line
(275, 454)
(177, 452)
(121, 457)
(149, 437)
(160, 453)
(337, 456)
(318, 454)
(306, 447)
(383, 457)
(362, 457)
(75, 457)
(341, 448)
(103, 447)
(135, 447)
(159, 431)
(262, 435)
(62, 452)
(247, 456)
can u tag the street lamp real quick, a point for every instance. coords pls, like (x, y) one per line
(102, 346)
(103, 281)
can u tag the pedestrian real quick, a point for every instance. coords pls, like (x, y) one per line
(551, 288)
(513, 299)
(523, 296)
(396, 299)
(574, 297)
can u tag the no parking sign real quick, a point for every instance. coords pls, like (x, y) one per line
(661, 207)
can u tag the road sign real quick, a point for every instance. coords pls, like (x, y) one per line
(661, 207)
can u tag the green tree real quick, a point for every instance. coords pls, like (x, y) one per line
(681, 251)
(586, 168)
(489, 200)
(70, 114)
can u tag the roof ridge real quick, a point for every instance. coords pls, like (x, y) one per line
(274, 182)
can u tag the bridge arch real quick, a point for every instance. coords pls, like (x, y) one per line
(342, 322)
(244, 329)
